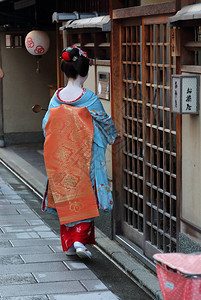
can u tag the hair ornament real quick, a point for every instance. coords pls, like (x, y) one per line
(65, 56)
(75, 58)
(73, 54)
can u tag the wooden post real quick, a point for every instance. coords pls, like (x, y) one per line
(116, 102)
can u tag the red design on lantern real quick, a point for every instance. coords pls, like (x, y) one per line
(30, 43)
(39, 50)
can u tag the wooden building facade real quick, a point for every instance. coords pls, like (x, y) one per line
(149, 187)
(145, 192)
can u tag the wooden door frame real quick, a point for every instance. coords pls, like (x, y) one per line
(116, 92)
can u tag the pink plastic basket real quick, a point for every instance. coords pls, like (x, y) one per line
(179, 276)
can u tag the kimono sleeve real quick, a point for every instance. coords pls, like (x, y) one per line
(45, 119)
(103, 121)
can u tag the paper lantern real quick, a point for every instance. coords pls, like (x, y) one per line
(37, 42)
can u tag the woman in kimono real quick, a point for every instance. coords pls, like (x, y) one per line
(77, 130)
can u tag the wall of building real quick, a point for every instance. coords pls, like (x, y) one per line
(23, 87)
(90, 82)
(191, 169)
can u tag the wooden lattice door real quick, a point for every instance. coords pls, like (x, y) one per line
(148, 155)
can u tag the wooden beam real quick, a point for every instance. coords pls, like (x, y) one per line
(154, 20)
(193, 46)
(145, 74)
(116, 102)
(147, 10)
(191, 69)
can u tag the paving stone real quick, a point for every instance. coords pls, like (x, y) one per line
(42, 288)
(21, 205)
(31, 258)
(20, 235)
(9, 229)
(5, 244)
(23, 211)
(12, 201)
(19, 221)
(16, 201)
(17, 279)
(35, 222)
(75, 265)
(93, 285)
(6, 212)
(11, 197)
(8, 206)
(12, 220)
(10, 260)
(85, 296)
(15, 205)
(5, 190)
(4, 201)
(26, 298)
(28, 215)
(63, 276)
(25, 250)
(31, 200)
(42, 228)
(34, 242)
(33, 267)
(13, 180)
(57, 248)
(23, 193)
(47, 234)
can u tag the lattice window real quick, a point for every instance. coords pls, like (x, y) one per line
(160, 141)
(133, 126)
(149, 130)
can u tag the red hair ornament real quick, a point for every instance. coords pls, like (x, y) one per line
(65, 56)
(70, 57)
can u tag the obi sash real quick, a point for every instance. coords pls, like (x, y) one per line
(67, 154)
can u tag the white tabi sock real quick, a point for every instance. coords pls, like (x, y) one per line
(79, 245)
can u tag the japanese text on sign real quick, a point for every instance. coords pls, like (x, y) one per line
(185, 94)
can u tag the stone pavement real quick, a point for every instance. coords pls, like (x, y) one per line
(32, 264)
(27, 161)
